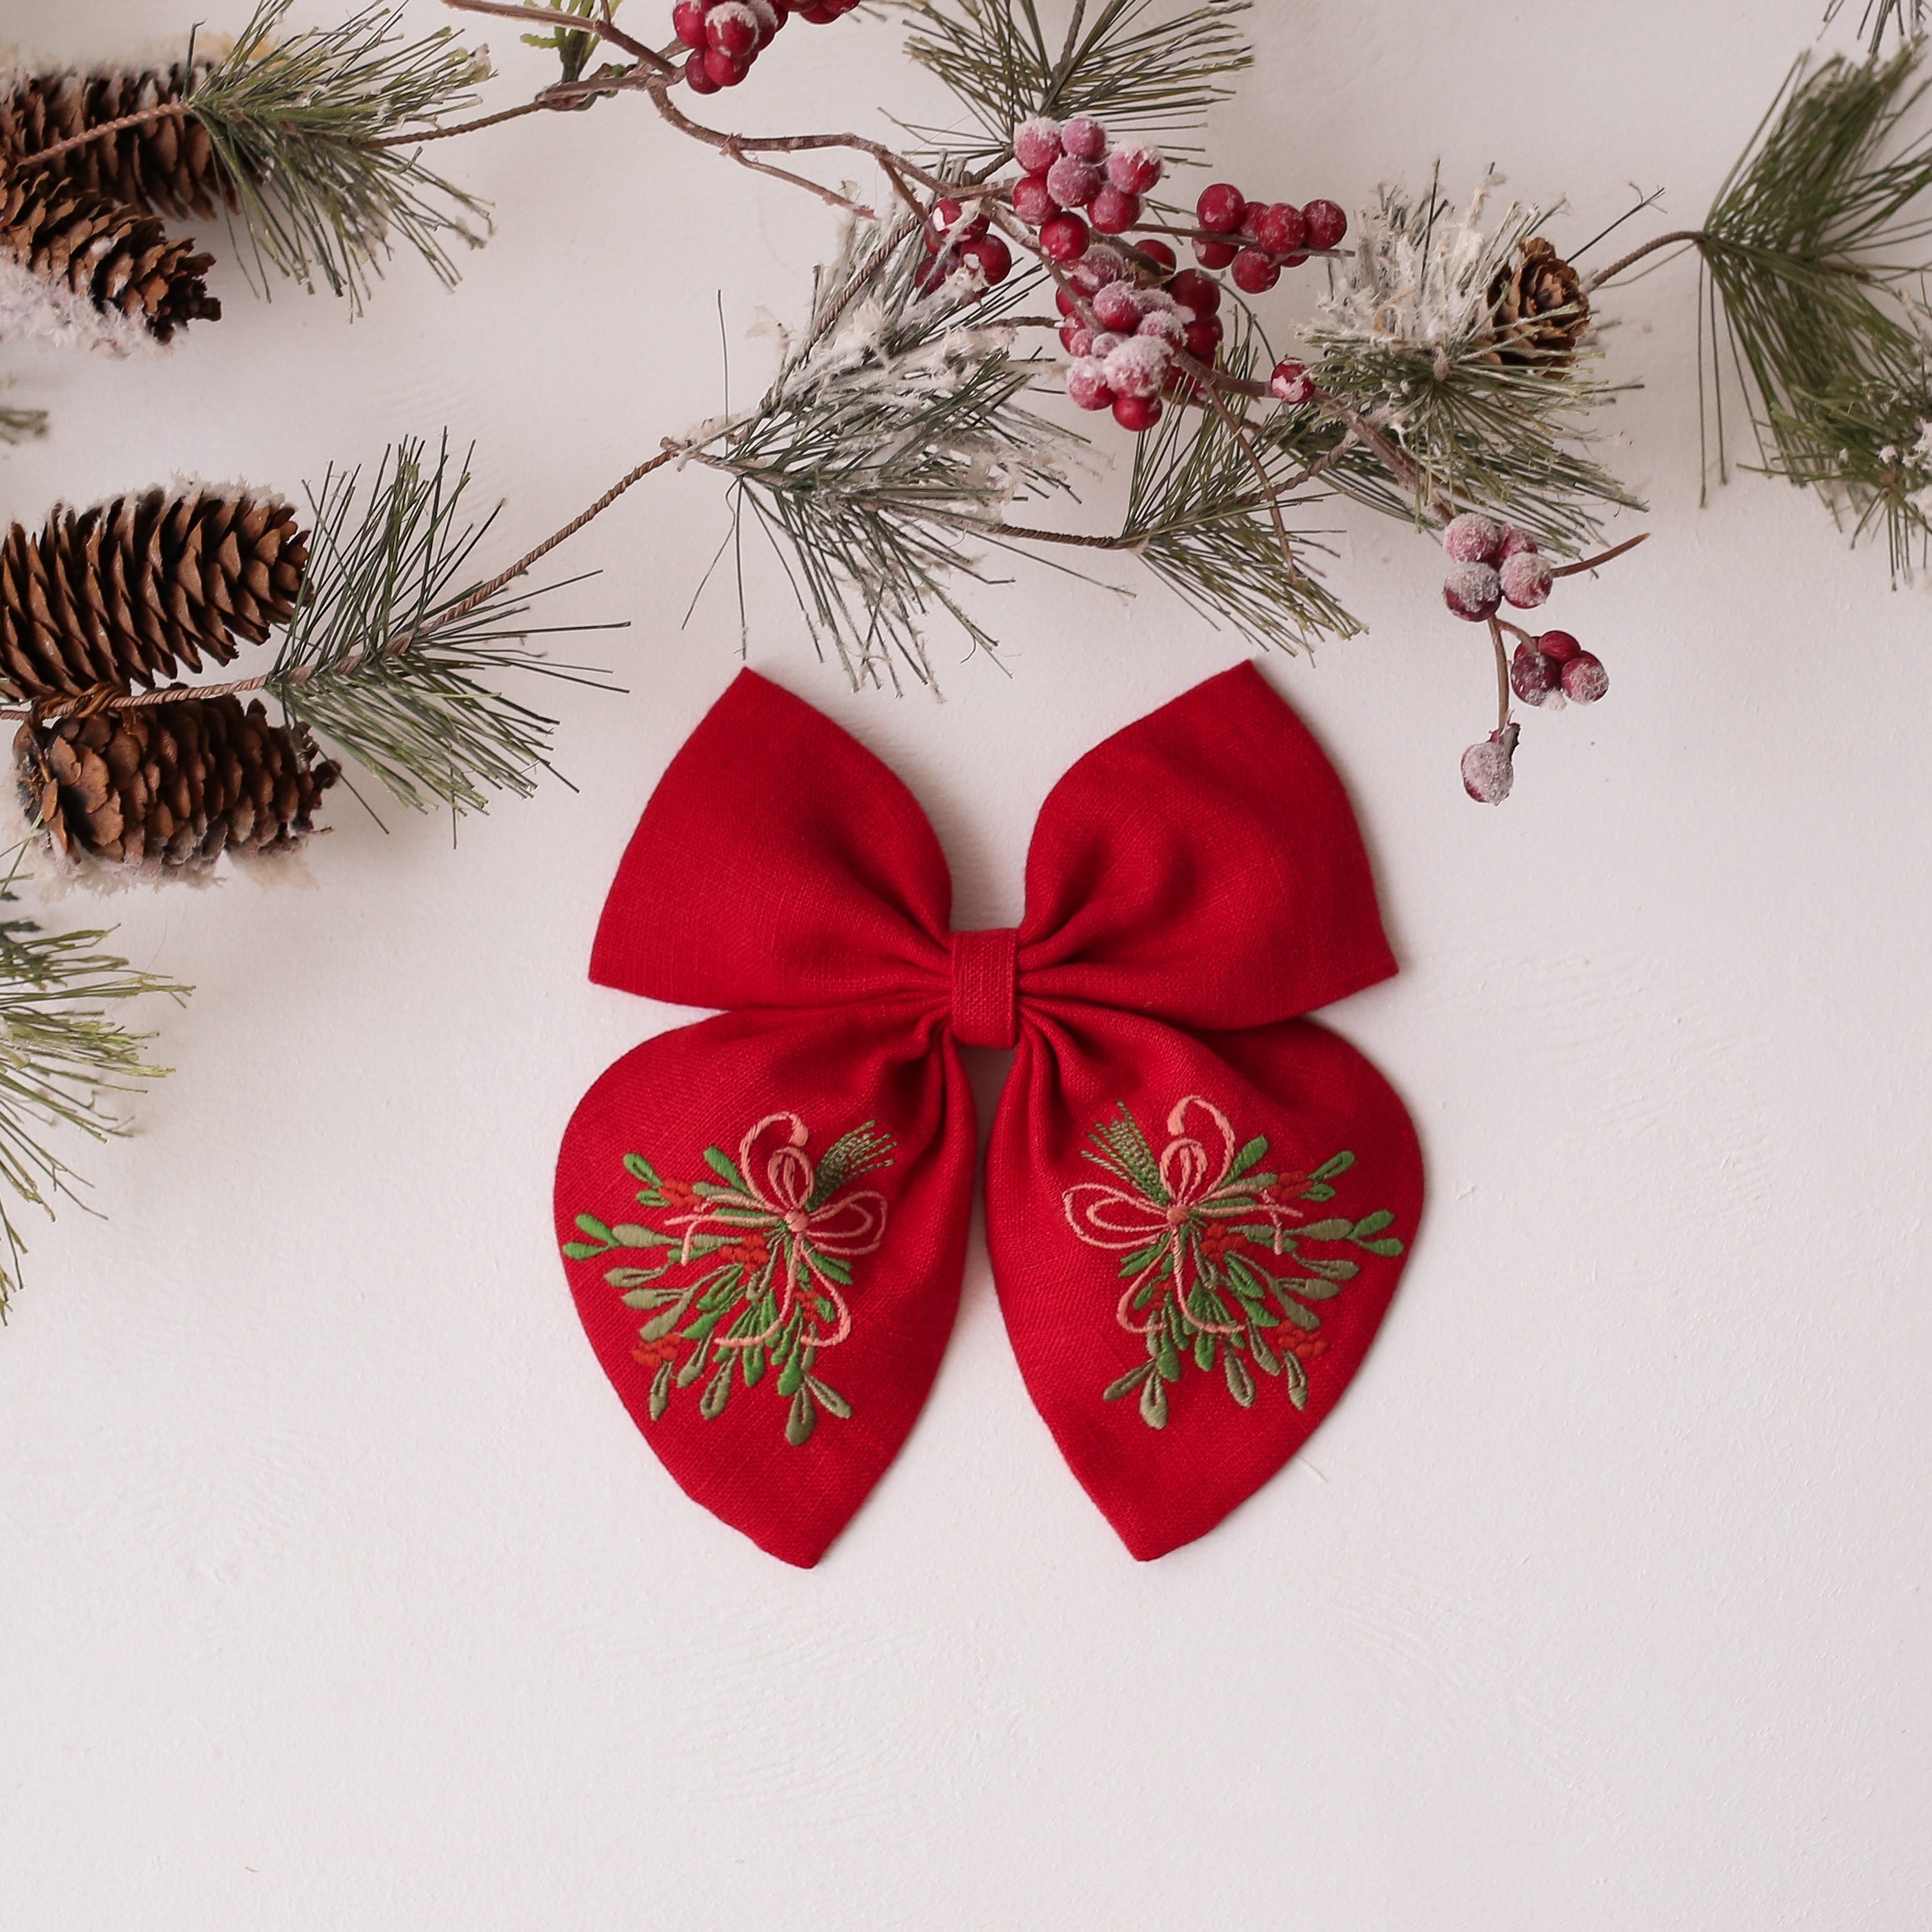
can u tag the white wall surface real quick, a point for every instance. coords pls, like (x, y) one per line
(336, 1590)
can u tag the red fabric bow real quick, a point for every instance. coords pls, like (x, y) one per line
(1197, 1202)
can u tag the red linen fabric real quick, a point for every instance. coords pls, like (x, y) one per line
(1199, 1202)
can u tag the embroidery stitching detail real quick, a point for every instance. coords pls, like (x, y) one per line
(772, 1246)
(1197, 1283)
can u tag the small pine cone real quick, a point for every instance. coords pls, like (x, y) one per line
(110, 255)
(1540, 308)
(167, 167)
(131, 591)
(168, 788)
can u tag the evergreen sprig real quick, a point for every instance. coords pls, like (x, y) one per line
(1138, 71)
(300, 122)
(62, 1060)
(375, 659)
(895, 425)
(1197, 517)
(1814, 256)
(1881, 16)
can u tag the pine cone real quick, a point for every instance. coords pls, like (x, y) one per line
(167, 167)
(1540, 309)
(168, 788)
(114, 257)
(130, 591)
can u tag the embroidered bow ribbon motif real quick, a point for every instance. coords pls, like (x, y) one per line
(1195, 885)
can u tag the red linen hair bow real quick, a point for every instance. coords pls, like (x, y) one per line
(1197, 1202)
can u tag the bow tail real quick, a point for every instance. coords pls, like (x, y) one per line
(778, 1422)
(1169, 1428)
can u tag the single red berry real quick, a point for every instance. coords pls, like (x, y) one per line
(1292, 383)
(944, 219)
(990, 256)
(1088, 386)
(695, 77)
(1256, 273)
(1036, 144)
(1472, 591)
(1083, 138)
(1280, 229)
(1072, 182)
(1076, 338)
(1033, 200)
(1098, 266)
(722, 67)
(687, 20)
(1532, 676)
(1137, 413)
(819, 14)
(1526, 580)
(1064, 238)
(1194, 290)
(1559, 645)
(1213, 254)
(1158, 251)
(1133, 167)
(1221, 208)
(1117, 306)
(732, 27)
(1327, 223)
(1166, 324)
(1488, 769)
(1203, 339)
(1472, 539)
(1585, 679)
(1113, 213)
(1518, 543)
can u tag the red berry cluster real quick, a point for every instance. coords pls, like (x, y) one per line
(1073, 166)
(1124, 358)
(954, 242)
(726, 36)
(1260, 238)
(1548, 669)
(1490, 564)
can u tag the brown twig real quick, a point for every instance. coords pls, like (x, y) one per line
(1502, 675)
(602, 26)
(1607, 556)
(1676, 238)
(145, 118)
(465, 127)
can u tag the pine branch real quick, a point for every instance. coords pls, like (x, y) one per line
(1813, 255)
(1880, 16)
(62, 1059)
(895, 422)
(306, 126)
(1129, 67)
(389, 655)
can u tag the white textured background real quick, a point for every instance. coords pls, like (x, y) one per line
(336, 1590)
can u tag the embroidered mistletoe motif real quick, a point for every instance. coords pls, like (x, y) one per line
(764, 1250)
(1202, 1234)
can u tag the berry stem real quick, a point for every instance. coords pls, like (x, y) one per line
(1496, 629)
(600, 24)
(1607, 556)
(1676, 238)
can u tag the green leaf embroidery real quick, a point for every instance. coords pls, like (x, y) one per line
(1256, 1150)
(719, 1162)
(829, 1398)
(1240, 1384)
(630, 1234)
(661, 1391)
(1153, 1403)
(1126, 1384)
(585, 1251)
(803, 1419)
(590, 1225)
(717, 1394)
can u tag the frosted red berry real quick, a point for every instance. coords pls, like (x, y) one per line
(1559, 645)
(990, 256)
(1221, 208)
(1113, 213)
(1203, 339)
(1064, 238)
(1526, 580)
(1194, 290)
(1076, 338)
(1518, 543)
(1292, 383)
(687, 20)
(1327, 223)
(1033, 200)
(1159, 251)
(1073, 183)
(1532, 676)
(697, 77)
(1254, 273)
(1083, 138)
(1116, 307)
(1585, 679)
(1137, 413)
(1087, 385)
(1488, 769)
(1214, 254)
(1036, 144)
(1133, 167)
(1280, 229)
(725, 70)
(1472, 591)
(732, 28)
(1474, 538)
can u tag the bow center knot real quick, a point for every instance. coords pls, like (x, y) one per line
(1176, 1215)
(985, 986)
(798, 1220)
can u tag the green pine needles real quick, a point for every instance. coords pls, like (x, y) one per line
(391, 654)
(1881, 16)
(1814, 257)
(313, 129)
(63, 1059)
